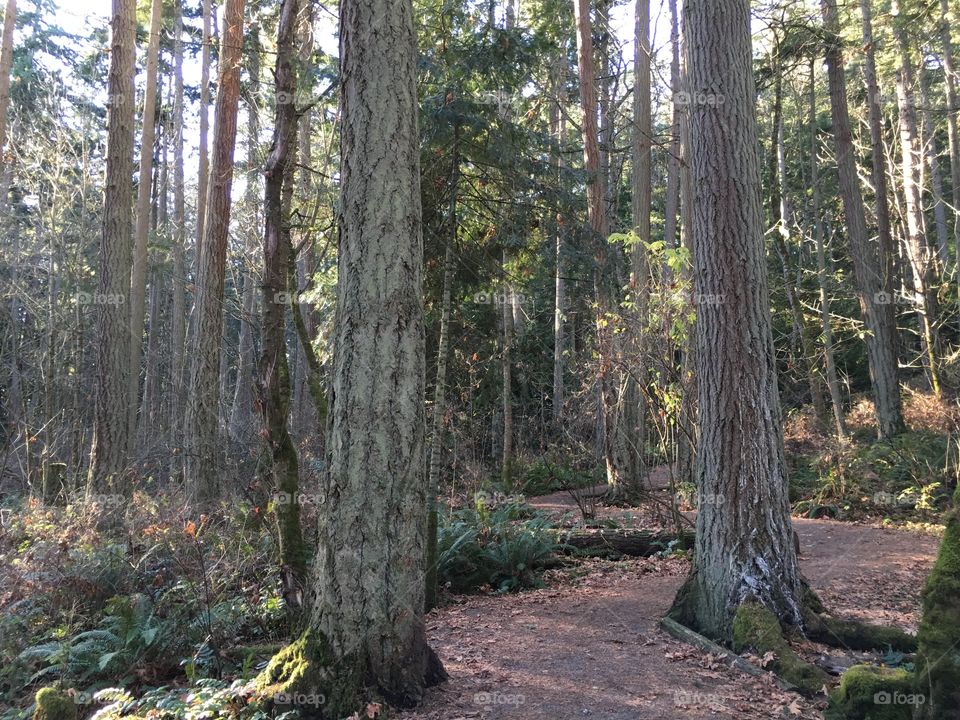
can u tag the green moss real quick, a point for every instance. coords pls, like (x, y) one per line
(938, 652)
(867, 692)
(53, 704)
(306, 676)
(757, 629)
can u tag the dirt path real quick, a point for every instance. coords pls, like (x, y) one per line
(589, 646)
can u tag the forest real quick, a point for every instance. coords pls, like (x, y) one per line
(479, 359)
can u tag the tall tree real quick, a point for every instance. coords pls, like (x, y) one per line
(203, 409)
(915, 244)
(744, 550)
(111, 428)
(138, 277)
(203, 176)
(178, 309)
(953, 137)
(368, 578)
(274, 373)
(870, 264)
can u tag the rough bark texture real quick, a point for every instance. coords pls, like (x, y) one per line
(111, 430)
(138, 275)
(14, 391)
(368, 578)
(928, 139)
(274, 380)
(870, 264)
(744, 548)
(203, 410)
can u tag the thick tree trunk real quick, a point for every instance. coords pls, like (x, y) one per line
(871, 266)
(744, 551)
(138, 276)
(203, 410)
(368, 582)
(111, 428)
(917, 250)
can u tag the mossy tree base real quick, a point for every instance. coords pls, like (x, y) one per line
(757, 629)
(867, 692)
(306, 677)
(53, 704)
(850, 634)
(938, 652)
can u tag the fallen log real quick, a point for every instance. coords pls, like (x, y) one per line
(642, 543)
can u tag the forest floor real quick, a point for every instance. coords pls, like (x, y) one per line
(588, 645)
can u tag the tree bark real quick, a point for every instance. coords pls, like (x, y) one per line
(242, 413)
(744, 549)
(203, 411)
(558, 131)
(871, 266)
(138, 276)
(178, 312)
(368, 577)
(111, 428)
(928, 140)
(203, 177)
(274, 381)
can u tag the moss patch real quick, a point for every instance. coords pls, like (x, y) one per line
(845, 633)
(305, 676)
(756, 628)
(53, 704)
(867, 692)
(938, 653)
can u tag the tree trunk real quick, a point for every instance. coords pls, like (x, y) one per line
(111, 427)
(744, 550)
(506, 318)
(558, 130)
(242, 413)
(928, 140)
(203, 176)
(203, 411)
(178, 330)
(274, 381)
(672, 201)
(369, 570)
(633, 411)
(833, 384)
(138, 276)
(915, 243)
(871, 266)
(950, 93)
